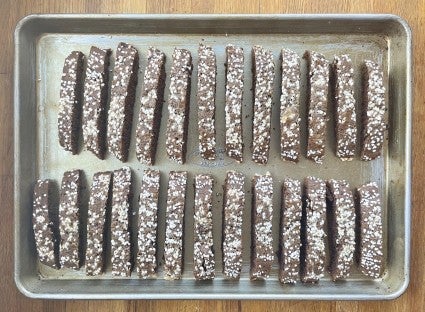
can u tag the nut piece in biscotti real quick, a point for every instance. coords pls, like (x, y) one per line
(290, 231)
(95, 100)
(146, 263)
(203, 249)
(69, 220)
(369, 213)
(150, 107)
(70, 101)
(262, 254)
(290, 106)
(233, 207)
(317, 90)
(263, 79)
(345, 107)
(341, 219)
(97, 224)
(313, 230)
(120, 222)
(45, 224)
(207, 71)
(123, 91)
(233, 105)
(373, 111)
(178, 106)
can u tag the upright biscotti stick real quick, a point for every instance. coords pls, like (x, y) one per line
(290, 106)
(123, 91)
(341, 228)
(318, 69)
(233, 105)
(313, 231)
(98, 213)
(69, 219)
(207, 70)
(262, 254)
(173, 253)
(203, 252)
(70, 101)
(120, 222)
(233, 207)
(263, 78)
(345, 107)
(150, 107)
(148, 211)
(45, 224)
(178, 106)
(370, 252)
(373, 111)
(95, 99)
(290, 231)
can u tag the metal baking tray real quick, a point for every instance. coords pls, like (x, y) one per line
(41, 45)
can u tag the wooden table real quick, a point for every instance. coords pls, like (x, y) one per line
(13, 10)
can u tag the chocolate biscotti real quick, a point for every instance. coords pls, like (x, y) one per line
(263, 79)
(341, 228)
(150, 113)
(70, 101)
(233, 104)
(290, 106)
(318, 73)
(123, 91)
(373, 111)
(95, 99)
(207, 71)
(146, 263)
(262, 254)
(173, 250)
(178, 106)
(120, 222)
(97, 224)
(369, 212)
(69, 220)
(45, 224)
(313, 230)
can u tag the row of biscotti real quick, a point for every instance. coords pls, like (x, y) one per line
(302, 231)
(112, 129)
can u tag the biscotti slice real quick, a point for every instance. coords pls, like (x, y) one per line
(173, 250)
(69, 219)
(178, 106)
(263, 78)
(345, 107)
(233, 105)
(369, 212)
(95, 99)
(341, 228)
(233, 207)
(150, 107)
(70, 101)
(123, 91)
(318, 73)
(290, 231)
(262, 254)
(45, 224)
(207, 71)
(373, 111)
(313, 230)
(203, 252)
(148, 215)
(98, 213)
(290, 106)
(120, 222)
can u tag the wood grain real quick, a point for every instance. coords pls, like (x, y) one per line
(12, 11)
